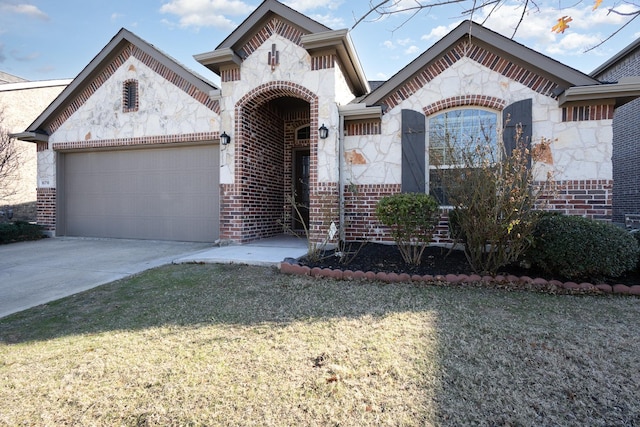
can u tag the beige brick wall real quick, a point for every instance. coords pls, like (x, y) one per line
(21, 104)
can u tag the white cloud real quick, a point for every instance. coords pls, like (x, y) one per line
(388, 44)
(329, 20)
(587, 28)
(438, 32)
(404, 42)
(206, 13)
(381, 76)
(24, 9)
(412, 50)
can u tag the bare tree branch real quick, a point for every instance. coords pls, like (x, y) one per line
(10, 159)
(637, 13)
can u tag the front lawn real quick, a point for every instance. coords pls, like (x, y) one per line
(240, 346)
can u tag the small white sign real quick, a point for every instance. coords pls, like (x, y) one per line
(44, 183)
(332, 230)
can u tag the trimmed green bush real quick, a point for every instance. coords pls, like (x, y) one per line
(582, 249)
(412, 218)
(19, 231)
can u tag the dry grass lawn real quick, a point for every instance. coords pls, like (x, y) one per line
(241, 346)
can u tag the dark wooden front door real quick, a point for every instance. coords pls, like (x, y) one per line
(302, 166)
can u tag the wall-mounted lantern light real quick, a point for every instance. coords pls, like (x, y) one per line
(323, 131)
(225, 139)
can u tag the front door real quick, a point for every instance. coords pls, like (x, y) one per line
(302, 166)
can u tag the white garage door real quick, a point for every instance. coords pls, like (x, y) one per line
(153, 193)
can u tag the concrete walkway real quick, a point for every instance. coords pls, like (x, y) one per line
(34, 273)
(266, 252)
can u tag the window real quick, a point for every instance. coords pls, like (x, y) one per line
(130, 96)
(452, 134)
(303, 133)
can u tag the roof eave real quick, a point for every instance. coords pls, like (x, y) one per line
(360, 112)
(30, 137)
(340, 40)
(626, 90)
(218, 58)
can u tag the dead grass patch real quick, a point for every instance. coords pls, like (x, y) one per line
(234, 345)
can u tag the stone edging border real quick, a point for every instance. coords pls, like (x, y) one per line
(524, 282)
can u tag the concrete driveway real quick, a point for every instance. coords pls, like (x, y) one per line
(33, 273)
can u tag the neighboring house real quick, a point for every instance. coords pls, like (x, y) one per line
(21, 101)
(139, 147)
(625, 67)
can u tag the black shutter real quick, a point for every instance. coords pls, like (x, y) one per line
(515, 115)
(413, 152)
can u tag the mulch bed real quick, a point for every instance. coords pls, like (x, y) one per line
(436, 261)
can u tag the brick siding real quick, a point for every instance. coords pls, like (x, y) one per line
(626, 139)
(46, 210)
(256, 204)
(588, 198)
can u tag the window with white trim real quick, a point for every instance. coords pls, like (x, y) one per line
(453, 133)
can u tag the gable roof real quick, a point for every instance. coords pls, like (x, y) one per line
(90, 79)
(10, 78)
(616, 58)
(505, 48)
(308, 33)
(263, 13)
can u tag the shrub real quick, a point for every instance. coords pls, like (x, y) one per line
(19, 231)
(412, 218)
(636, 235)
(494, 197)
(581, 249)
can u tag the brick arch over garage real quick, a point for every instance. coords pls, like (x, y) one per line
(255, 204)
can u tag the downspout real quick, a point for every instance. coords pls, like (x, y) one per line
(341, 213)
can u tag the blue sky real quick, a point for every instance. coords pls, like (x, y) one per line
(54, 39)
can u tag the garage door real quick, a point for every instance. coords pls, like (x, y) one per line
(158, 193)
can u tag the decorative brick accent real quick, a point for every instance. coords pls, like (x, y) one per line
(230, 74)
(46, 210)
(479, 54)
(588, 198)
(42, 146)
(365, 127)
(587, 112)
(130, 96)
(273, 26)
(255, 205)
(147, 140)
(323, 62)
(109, 69)
(464, 100)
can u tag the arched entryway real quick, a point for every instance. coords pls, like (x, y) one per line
(268, 155)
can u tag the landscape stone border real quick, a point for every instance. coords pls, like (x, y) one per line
(498, 281)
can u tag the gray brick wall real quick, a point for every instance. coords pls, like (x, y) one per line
(626, 142)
